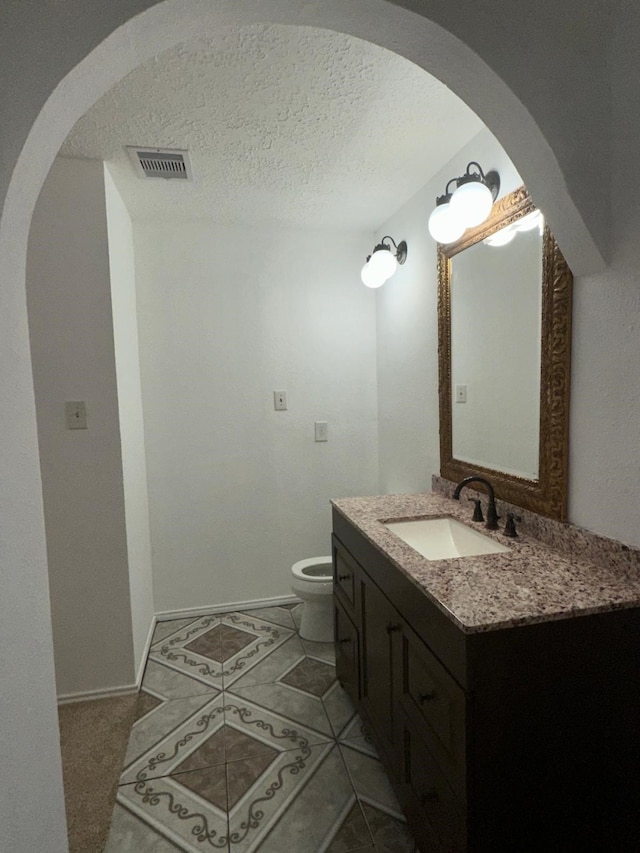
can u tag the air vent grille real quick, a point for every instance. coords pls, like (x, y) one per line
(160, 163)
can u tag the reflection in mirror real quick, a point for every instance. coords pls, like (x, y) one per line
(504, 321)
(496, 307)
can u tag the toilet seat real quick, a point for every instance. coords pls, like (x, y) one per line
(313, 570)
(312, 581)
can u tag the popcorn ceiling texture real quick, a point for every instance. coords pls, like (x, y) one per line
(531, 583)
(293, 125)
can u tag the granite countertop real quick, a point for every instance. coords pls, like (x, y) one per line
(531, 583)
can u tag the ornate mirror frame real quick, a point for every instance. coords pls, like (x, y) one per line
(548, 494)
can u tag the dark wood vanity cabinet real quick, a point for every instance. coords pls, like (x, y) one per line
(507, 741)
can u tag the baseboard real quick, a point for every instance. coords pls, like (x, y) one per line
(105, 693)
(166, 615)
(145, 654)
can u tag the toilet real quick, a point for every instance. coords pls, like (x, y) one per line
(312, 581)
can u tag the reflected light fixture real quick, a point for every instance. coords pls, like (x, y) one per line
(505, 235)
(467, 206)
(383, 262)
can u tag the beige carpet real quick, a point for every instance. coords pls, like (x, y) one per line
(93, 738)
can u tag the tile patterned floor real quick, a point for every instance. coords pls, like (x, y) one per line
(244, 741)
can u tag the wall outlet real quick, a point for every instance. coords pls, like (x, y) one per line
(280, 401)
(76, 414)
(322, 431)
(461, 393)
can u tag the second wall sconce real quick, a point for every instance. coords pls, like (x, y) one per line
(468, 205)
(383, 262)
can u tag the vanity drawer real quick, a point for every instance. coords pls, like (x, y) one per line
(432, 698)
(434, 811)
(345, 573)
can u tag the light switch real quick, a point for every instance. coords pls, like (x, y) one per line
(76, 414)
(322, 431)
(280, 401)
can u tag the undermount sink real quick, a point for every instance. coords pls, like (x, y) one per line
(444, 538)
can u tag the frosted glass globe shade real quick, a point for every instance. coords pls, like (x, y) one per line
(370, 277)
(443, 226)
(384, 262)
(471, 203)
(530, 222)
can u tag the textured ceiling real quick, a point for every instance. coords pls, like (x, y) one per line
(287, 125)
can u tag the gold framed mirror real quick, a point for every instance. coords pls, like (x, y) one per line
(504, 357)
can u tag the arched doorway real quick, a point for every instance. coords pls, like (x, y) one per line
(25, 594)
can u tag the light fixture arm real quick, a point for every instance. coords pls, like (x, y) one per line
(401, 248)
(446, 197)
(478, 167)
(491, 179)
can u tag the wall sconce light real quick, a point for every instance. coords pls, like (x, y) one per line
(383, 262)
(468, 205)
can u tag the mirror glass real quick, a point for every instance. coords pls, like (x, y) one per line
(496, 312)
(504, 320)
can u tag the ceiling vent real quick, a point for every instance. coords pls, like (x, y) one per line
(168, 163)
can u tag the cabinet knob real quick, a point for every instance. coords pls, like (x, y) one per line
(344, 577)
(426, 697)
(392, 627)
(429, 796)
(345, 640)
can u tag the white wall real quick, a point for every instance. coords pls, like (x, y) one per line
(134, 466)
(69, 301)
(605, 380)
(238, 491)
(407, 331)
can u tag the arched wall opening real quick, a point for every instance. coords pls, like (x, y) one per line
(161, 26)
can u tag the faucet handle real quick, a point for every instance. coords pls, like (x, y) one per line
(510, 526)
(477, 512)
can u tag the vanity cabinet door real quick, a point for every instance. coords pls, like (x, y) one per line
(433, 810)
(347, 644)
(436, 704)
(380, 635)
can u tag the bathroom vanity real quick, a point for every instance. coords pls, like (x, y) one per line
(502, 690)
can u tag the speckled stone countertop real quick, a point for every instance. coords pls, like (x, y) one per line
(531, 583)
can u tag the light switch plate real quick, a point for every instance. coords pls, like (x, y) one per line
(280, 401)
(321, 431)
(76, 414)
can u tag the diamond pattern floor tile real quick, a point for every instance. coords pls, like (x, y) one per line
(189, 810)
(162, 680)
(163, 739)
(339, 708)
(320, 651)
(166, 629)
(245, 671)
(278, 615)
(370, 782)
(310, 676)
(246, 743)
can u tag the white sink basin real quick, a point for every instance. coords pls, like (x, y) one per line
(444, 538)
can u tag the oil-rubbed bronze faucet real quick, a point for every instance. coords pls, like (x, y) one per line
(492, 514)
